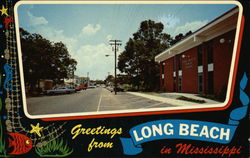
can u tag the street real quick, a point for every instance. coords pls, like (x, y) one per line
(90, 100)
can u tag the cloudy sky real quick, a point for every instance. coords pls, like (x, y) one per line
(86, 29)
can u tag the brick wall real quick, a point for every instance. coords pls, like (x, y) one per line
(190, 71)
(169, 79)
(222, 60)
(222, 54)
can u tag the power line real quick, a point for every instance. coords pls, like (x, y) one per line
(116, 44)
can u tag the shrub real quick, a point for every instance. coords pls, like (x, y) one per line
(191, 99)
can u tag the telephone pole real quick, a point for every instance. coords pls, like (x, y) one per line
(116, 44)
(88, 79)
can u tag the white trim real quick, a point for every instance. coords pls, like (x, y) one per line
(210, 67)
(174, 74)
(162, 76)
(200, 69)
(180, 72)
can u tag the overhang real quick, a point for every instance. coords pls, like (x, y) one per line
(215, 28)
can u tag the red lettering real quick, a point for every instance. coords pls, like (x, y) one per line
(165, 150)
(226, 151)
(232, 151)
(190, 149)
(216, 150)
(238, 151)
(221, 150)
(183, 149)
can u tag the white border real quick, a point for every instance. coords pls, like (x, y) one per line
(134, 110)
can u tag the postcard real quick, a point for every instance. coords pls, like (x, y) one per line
(124, 79)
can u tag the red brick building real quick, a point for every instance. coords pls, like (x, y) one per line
(200, 63)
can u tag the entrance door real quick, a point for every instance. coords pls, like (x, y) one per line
(200, 83)
(210, 82)
(179, 83)
(174, 84)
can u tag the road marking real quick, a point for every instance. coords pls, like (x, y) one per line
(99, 104)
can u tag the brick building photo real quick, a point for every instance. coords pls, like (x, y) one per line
(201, 62)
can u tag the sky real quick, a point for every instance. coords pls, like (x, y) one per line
(87, 28)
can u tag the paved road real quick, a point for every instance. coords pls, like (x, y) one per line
(90, 100)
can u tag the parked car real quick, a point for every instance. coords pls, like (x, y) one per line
(63, 90)
(79, 88)
(91, 87)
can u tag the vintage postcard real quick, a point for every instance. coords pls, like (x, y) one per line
(124, 79)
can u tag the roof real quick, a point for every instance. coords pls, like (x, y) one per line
(215, 28)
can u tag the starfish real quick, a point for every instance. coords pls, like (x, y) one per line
(36, 129)
(7, 21)
(4, 11)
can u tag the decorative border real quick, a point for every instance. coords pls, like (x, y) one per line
(44, 137)
(119, 113)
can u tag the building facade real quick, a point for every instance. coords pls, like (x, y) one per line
(201, 62)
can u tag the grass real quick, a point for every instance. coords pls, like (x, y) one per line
(55, 148)
(191, 99)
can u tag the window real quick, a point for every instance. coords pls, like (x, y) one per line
(200, 83)
(210, 52)
(179, 84)
(174, 84)
(162, 73)
(210, 82)
(174, 64)
(162, 68)
(199, 55)
(179, 63)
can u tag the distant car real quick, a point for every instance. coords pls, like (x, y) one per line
(63, 90)
(91, 86)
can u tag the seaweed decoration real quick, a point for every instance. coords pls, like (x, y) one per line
(31, 135)
(56, 148)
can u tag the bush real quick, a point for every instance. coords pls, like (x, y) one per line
(130, 88)
(191, 99)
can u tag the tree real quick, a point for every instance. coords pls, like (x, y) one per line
(123, 79)
(109, 79)
(179, 37)
(43, 59)
(137, 60)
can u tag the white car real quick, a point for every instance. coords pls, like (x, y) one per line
(63, 90)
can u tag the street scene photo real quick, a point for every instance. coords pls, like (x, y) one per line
(95, 59)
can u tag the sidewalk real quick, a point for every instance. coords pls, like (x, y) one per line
(171, 98)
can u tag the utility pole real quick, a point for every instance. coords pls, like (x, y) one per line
(116, 44)
(88, 79)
